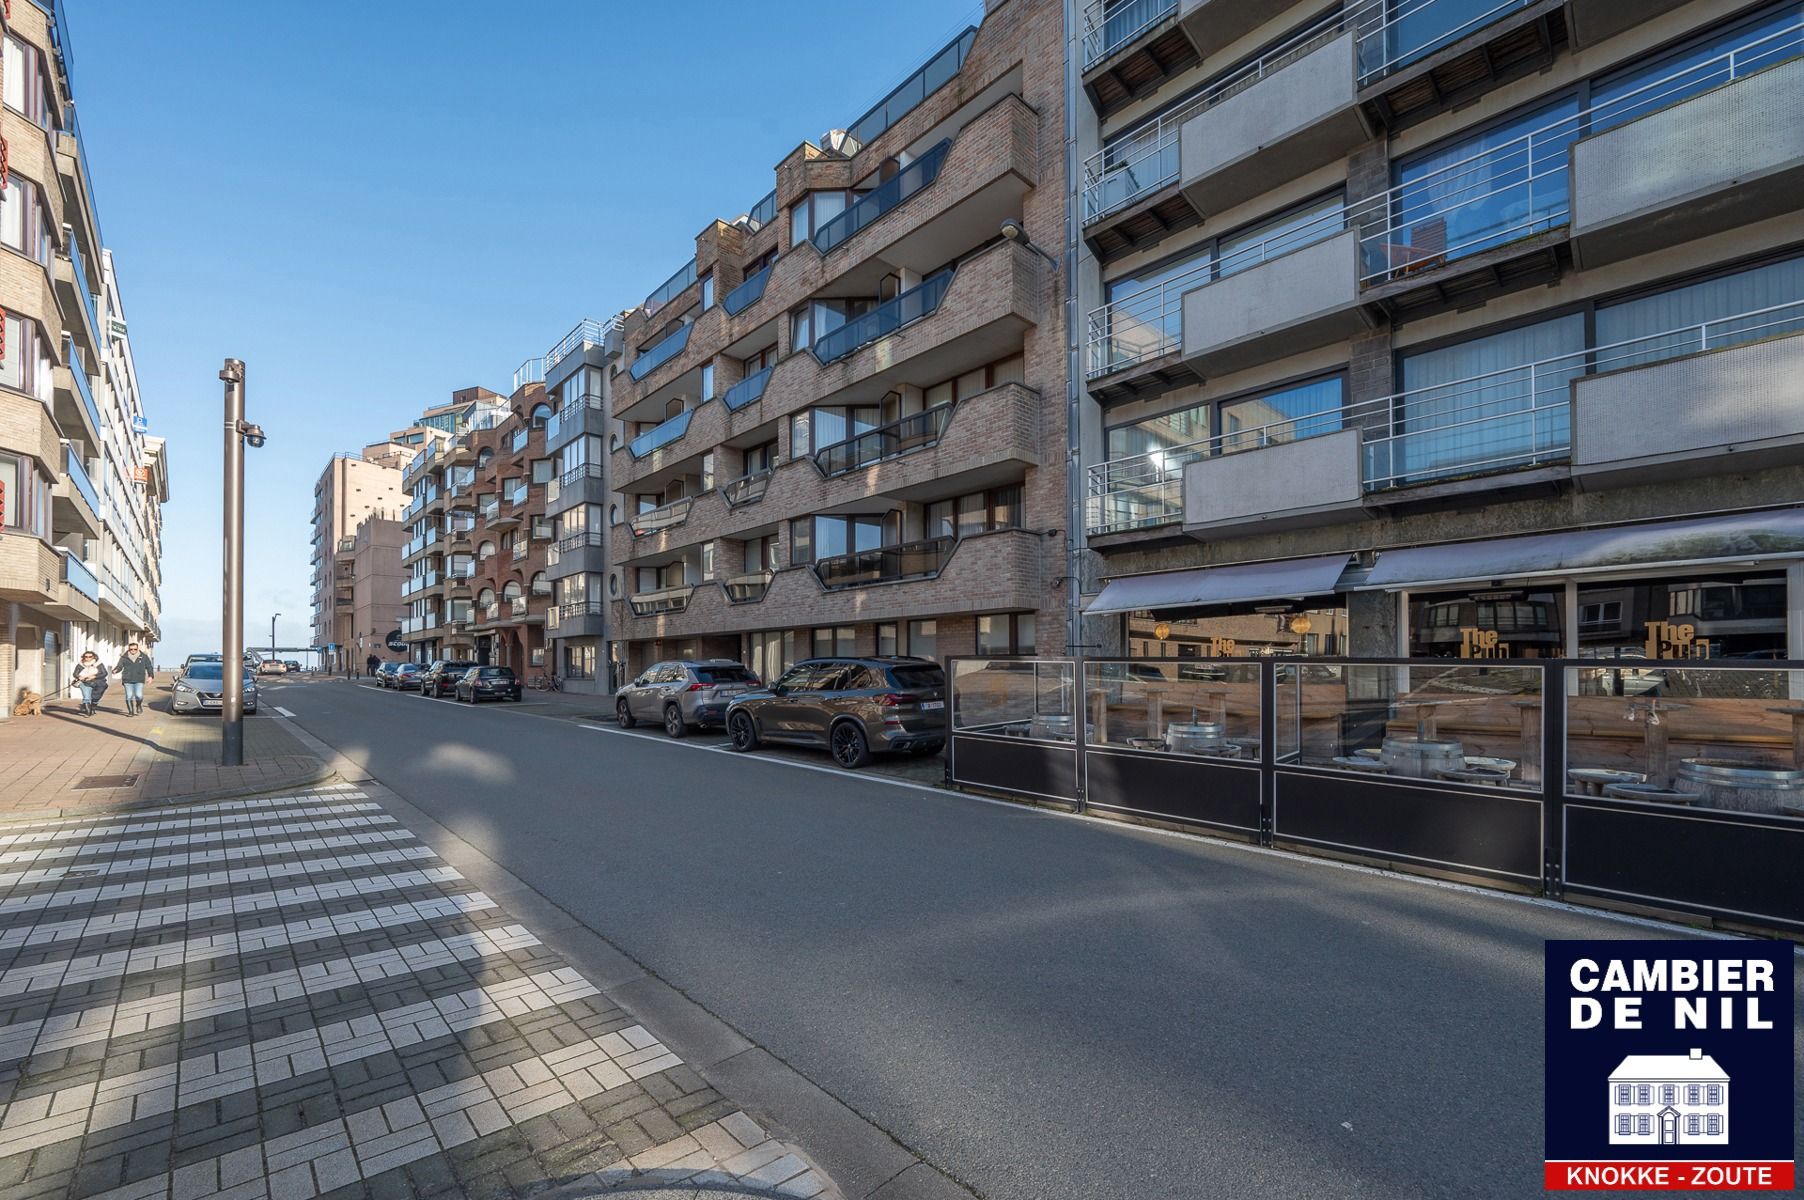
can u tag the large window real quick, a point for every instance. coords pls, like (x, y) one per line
(27, 91)
(24, 496)
(1651, 84)
(1488, 623)
(975, 512)
(26, 366)
(1005, 633)
(818, 537)
(1734, 613)
(24, 220)
(840, 641)
(814, 210)
(924, 638)
(1764, 301)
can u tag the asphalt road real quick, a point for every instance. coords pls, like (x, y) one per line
(1042, 1007)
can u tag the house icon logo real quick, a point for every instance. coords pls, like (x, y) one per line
(1669, 1100)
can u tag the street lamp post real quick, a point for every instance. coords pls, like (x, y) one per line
(237, 433)
(272, 636)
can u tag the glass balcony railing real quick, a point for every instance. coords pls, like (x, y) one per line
(1395, 33)
(908, 95)
(665, 516)
(519, 439)
(763, 212)
(747, 391)
(84, 389)
(529, 372)
(671, 288)
(78, 475)
(79, 269)
(77, 575)
(748, 589)
(887, 564)
(885, 319)
(656, 356)
(747, 489)
(516, 607)
(747, 293)
(913, 178)
(664, 600)
(916, 432)
(1109, 25)
(661, 435)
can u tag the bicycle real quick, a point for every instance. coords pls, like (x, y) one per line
(543, 682)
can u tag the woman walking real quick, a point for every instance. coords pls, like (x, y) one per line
(90, 681)
(134, 670)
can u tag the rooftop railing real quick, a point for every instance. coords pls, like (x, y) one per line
(588, 332)
(886, 196)
(747, 293)
(763, 212)
(530, 371)
(939, 71)
(661, 435)
(671, 288)
(664, 600)
(1110, 25)
(917, 431)
(656, 356)
(665, 516)
(747, 391)
(886, 564)
(906, 308)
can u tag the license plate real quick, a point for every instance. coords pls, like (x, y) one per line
(206, 703)
(926, 705)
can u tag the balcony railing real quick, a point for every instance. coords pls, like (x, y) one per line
(575, 610)
(664, 600)
(78, 475)
(1139, 491)
(910, 306)
(915, 432)
(516, 607)
(85, 389)
(747, 489)
(530, 371)
(1395, 33)
(347, 544)
(588, 332)
(747, 293)
(590, 539)
(656, 356)
(913, 178)
(666, 516)
(580, 472)
(1520, 188)
(73, 253)
(763, 212)
(907, 95)
(661, 435)
(489, 509)
(77, 575)
(1111, 24)
(909, 560)
(748, 589)
(748, 390)
(542, 530)
(518, 441)
(671, 288)
(1146, 159)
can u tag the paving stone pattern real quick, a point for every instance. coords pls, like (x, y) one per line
(283, 997)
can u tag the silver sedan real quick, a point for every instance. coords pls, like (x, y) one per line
(199, 688)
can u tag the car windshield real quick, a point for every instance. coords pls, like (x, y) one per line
(725, 675)
(918, 677)
(205, 671)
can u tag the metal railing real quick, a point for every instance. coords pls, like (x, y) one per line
(1520, 188)
(748, 390)
(1110, 25)
(664, 600)
(910, 306)
(747, 489)
(580, 608)
(590, 539)
(571, 410)
(665, 516)
(78, 475)
(1146, 158)
(670, 288)
(918, 431)
(347, 544)
(907, 95)
(916, 177)
(661, 435)
(530, 371)
(887, 564)
(653, 357)
(588, 332)
(748, 589)
(580, 472)
(747, 293)
(84, 390)
(1395, 33)
(1139, 491)
(77, 575)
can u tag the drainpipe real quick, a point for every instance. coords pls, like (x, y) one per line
(1074, 496)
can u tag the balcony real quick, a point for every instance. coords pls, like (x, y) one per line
(1130, 47)
(747, 391)
(581, 484)
(1729, 157)
(347, 545)
(75, 395)
(748, 589)
(1139, 492)
(1423, 57)
(578, 618)
(661, 435)
(886, 196)
(1283, 486)
(670, 289)
(1282, 299)
(667, 516)
(747, 489)
(1136, 338)
(887, 564)
(80, 579)
(72, 288)
(416, 584)
(906, 308)
(664, 600)
(588, 332)
(747, 293)
(916, 432)
(83, 487)
(1294, 114)
(529, 372)
(1214, 25)
(653, 357)
(516, 608)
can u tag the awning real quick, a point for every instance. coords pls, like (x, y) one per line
(1707, 540)
(1290, 580)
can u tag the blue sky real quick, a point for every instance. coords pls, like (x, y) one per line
(374, 202)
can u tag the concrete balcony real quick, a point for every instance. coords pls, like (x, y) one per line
(32, 572)
(1720, 411)
(578, 618)
(577, 554)
(1294, 119)
(1718, 161)
(1296, 301)
(1214, 25)
(1589, 22)
(1313, 481)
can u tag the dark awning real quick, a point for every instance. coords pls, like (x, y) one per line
(1290, 580)
(1778, 534)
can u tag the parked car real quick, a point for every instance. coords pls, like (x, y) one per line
(385, 674)
(406, 676)
(488, 683)
(198, 658)
(683, 694)
(440, 679)
(201, 687)
(272, 666)
(852, 707)
(292, 664)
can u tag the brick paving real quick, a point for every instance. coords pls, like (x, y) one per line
(42, 758)
(283, 996)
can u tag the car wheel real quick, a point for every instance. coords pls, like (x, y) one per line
(674, 725)
(741, 731)
(851, 749)
(624, 711)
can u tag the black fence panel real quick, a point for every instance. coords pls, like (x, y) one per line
(1191, 791)
(1016, 766)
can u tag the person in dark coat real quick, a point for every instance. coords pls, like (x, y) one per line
(89, 682)
(371, 663)
(134, 670)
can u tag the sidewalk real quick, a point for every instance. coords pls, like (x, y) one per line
(62, 760)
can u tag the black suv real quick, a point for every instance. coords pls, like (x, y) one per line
(440, 679)
(850, 706)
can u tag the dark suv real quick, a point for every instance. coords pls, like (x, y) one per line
(850, 706)
(440, 679)
(683, 693)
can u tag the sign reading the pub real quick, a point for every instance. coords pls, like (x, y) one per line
(1675, 639)
(1481, 643)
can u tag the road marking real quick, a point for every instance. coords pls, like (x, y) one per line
(284, 711)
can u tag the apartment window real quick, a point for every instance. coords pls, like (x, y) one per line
(840, 641)
(976, 512)
(761, 554)
(759, 359)
(1005, 633)
(832, 425)
(707, 560)
(579, 660)
(26, 367)
(816, 319)
(1303, 410)
(924, 638)
(707, 390)
(814, 538)
(800, 441)
(24, 221)
(542, 470)
(814, 210)
(887, 640)
(1714, 301)
(24, 496)
(485, 551)
(541, 413)
(1760, 41)
(761, 458)
(707, 291)
(25, 87)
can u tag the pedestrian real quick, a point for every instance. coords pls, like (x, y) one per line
(89, 681)
(134, 670)
(371, 663)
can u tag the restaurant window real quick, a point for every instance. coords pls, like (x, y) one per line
(1727, 614)
(1005, 633)
(1308, 627)
(1488, 623)
(924, 638)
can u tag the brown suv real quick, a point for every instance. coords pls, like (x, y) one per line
(850, 706)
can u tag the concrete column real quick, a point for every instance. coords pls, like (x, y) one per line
(1373, 624)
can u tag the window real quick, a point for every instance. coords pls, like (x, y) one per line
(1711, 301)
(840, 641)
(707, 291)
(1740, 612)
(1622, 1093)
(1713, 1094)
(1693, 1094)
(924, 638)
(799, 439)
(1005, 633)
(24, 223)
(761, 554)
(1692, 1124)
(977, 512)
(26, 89)
(1643, 1124)
(1644, 1094)
(1713, 1124)
(1668, 1094)
(1290, 414)
(814, 538)
(887, 642)
(26, 366)
(707, 385)
(1623, 1123)
(542, 470)
(707, 560)
(579, 660)
(541, 413)
(814, 210)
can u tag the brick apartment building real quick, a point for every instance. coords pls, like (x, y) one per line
(840, 426)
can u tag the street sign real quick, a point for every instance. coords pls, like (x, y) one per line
(140, 425)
